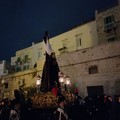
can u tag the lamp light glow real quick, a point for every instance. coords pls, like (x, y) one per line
(38, 81)
(61, 79)
(67, 81)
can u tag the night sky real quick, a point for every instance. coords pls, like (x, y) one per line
(25, 21)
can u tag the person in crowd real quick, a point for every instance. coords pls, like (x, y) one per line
(109, 108)
(15, 110)
(60, 113)
(20, 105)
(1, 110)
(117, 107)
(78, 99)
(4, 109)
(17, 94)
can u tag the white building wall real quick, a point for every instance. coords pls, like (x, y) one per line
(89, 39)
(35, 49)
(2, 67)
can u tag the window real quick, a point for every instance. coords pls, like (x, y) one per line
(109, 23)
(18, 68)
(6, 85)
(26, 59)
(64, 46)
(5, 72)
(21, 82)
(24, 68)
(64, 42)
(93, 69)
(27, 67)
(78, 40)
(19, 61)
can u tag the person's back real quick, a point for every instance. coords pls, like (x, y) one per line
(60, 113)
(4, 111)
(15, 110)
(14, 115)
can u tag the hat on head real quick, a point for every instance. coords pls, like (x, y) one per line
(61, 99)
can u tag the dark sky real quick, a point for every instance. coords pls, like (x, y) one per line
(24, 21)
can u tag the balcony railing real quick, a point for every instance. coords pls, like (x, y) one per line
(109, 26)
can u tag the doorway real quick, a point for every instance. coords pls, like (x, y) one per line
(95, 90)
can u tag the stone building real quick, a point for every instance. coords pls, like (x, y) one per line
(29, 61)
(80, 37)
(94, 65)
(108, 24)
(96, 70)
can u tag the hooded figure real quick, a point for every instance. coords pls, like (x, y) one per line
(50, 69)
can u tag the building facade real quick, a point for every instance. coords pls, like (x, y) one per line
(89, 54)
(83, 36)
(108, 24)
(3, 68)
(95, 70)
(29, 61)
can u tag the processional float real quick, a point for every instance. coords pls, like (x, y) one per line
(53, 83)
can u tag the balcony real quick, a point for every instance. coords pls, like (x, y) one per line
(63, 49)
(109, 26)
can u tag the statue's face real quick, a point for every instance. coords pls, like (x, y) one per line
(53, 55)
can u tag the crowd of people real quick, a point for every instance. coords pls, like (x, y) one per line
(16, 109)
(102, 107)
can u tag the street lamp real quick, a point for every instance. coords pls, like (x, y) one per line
(67, 82)
(38, 83)
(3, 81)
(64, 81)
(3, 87)
(61, 79)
